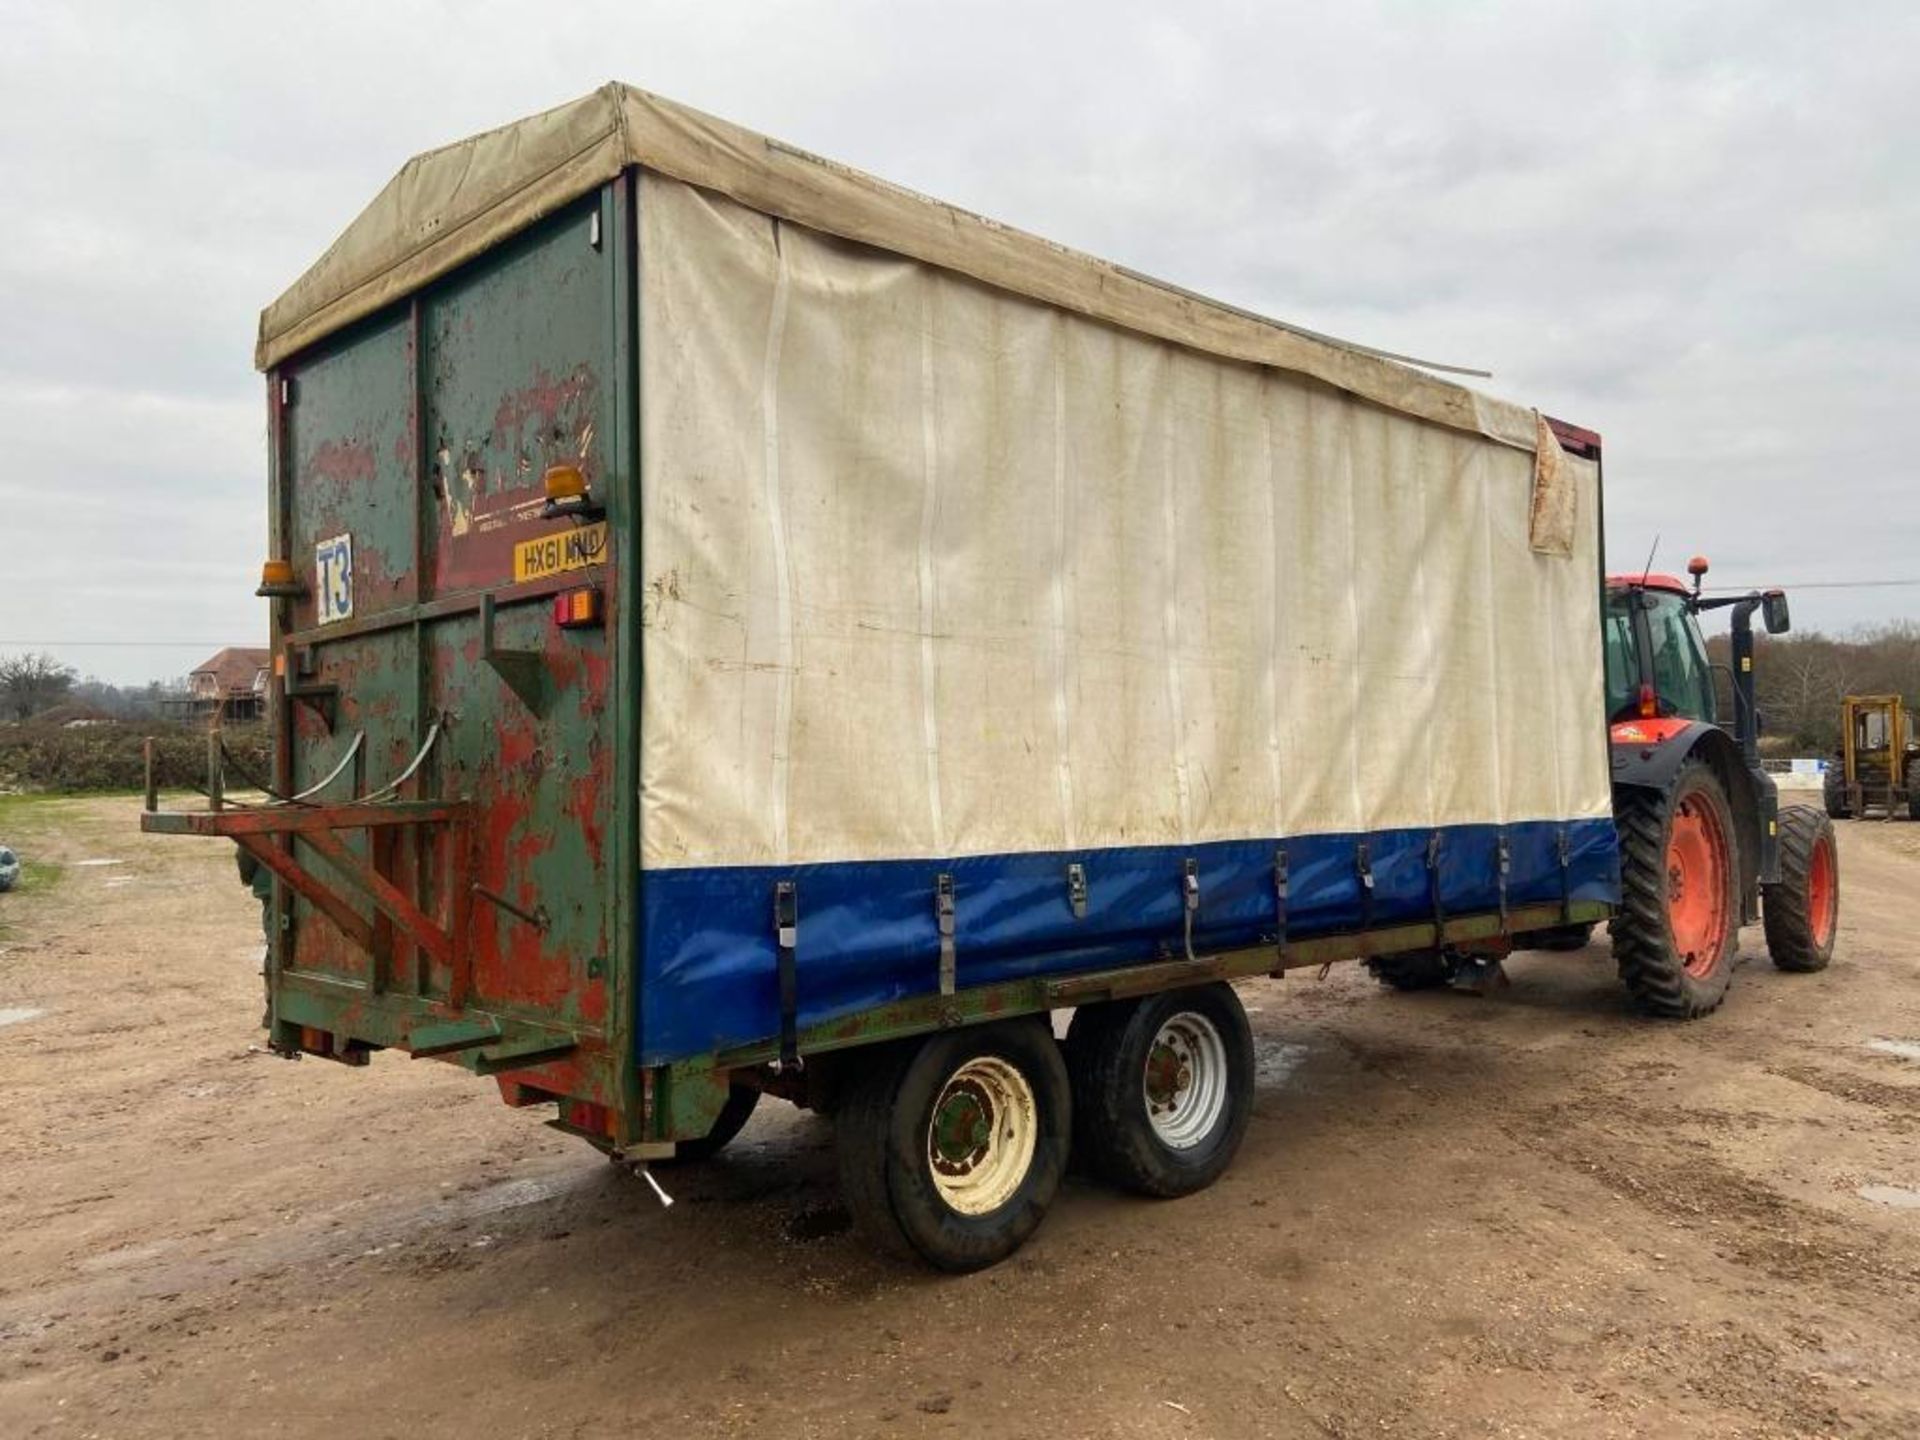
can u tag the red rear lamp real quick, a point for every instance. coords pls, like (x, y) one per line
(578, 609)
(1649, 703)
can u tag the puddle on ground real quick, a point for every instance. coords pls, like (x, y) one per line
(90, 863)
(1901, 1197)
(1905, 1049)
(1274, 1061)
(15, 1016)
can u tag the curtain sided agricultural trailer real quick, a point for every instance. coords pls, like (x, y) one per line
(742, 627)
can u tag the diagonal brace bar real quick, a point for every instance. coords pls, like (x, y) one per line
(420, 928)
(309, 887)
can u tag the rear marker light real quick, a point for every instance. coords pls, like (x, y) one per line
(1649, 704)
(577, 609)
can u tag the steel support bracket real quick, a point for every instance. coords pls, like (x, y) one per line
(522, 671)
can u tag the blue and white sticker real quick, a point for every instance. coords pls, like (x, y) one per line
(333, 576)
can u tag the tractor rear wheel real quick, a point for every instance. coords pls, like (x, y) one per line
(1802, 911)
(1678, 928)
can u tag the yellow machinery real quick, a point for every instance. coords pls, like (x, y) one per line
(1879, 762)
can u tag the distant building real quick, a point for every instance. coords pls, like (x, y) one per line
(229, 688)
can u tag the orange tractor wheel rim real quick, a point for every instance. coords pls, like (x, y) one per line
(1822, 892)
(1699, 871)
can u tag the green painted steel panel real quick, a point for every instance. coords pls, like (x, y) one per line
(422, 438)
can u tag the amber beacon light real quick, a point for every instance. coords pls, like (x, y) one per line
(277, 581)
(567, 494)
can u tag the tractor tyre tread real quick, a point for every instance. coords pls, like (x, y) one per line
(1643, 949)
(1786, 907)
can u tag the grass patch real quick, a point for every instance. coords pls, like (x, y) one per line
(24, 823)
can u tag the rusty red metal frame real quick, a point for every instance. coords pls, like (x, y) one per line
(258, 830)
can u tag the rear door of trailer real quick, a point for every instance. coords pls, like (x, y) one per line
(409, 465)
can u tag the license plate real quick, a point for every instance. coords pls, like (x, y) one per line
(573, 549)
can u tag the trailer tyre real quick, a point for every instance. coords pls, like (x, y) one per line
(1678, 927)
(952, 1148)
(1412, 969)
(734, 1114)
(1802, 912)
(1162, 1088)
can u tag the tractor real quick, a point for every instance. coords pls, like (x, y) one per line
(1704, 845)
(1878, 763)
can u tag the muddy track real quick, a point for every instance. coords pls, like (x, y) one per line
(1531, 1213)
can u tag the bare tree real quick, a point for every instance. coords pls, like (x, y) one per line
(32, 683)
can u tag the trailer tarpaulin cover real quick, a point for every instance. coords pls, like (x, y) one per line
(449, 205)
(942, 579)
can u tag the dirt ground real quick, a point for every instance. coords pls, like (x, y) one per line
(1526, 1215)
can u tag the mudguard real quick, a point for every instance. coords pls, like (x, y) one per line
(1648, 754)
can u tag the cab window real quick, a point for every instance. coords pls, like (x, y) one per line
(1682, 676)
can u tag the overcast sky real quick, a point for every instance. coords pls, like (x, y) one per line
(1692, 227)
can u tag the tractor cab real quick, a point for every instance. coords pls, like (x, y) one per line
(1656, 660)
(1657, 666)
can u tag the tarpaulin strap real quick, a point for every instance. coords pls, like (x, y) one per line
(786, 926)
(1363, 867)
(943, 917)
(1433, 889)
(1190, 893)
(1077, 890)
(1280, 900)
(1564, 850)
(1504, 867)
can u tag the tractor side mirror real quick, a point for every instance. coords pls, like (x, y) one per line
(1773, 609)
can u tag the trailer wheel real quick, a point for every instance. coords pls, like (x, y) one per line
(733, 1116)
(1802, 912)
(1678, 927)
(1162, 1088)
(1412, 969)
(952, 1148)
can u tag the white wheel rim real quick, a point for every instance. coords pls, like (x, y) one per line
(981, 1135)
(1184, 1084)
